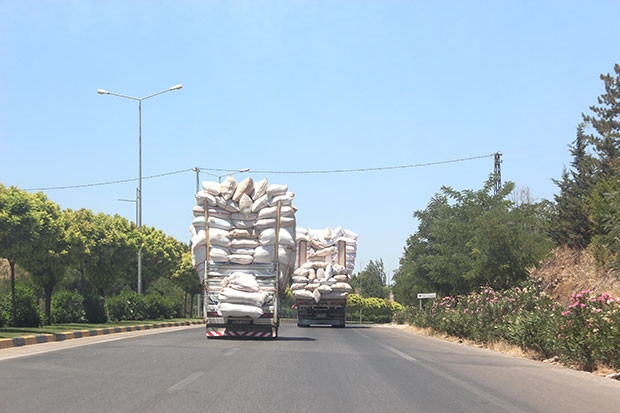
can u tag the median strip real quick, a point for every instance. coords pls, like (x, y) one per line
(48, 338)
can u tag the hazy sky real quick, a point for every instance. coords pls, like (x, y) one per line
(288, 88)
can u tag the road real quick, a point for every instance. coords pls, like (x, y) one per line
(356, 369)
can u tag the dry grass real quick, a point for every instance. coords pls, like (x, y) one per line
(500, 347)
(568, 272)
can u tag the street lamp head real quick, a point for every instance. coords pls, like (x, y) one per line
(244, 170)
(103, 92)
(176, 87)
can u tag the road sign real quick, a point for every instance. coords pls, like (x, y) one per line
(427, 295)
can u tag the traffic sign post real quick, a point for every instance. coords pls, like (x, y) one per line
(422, 296)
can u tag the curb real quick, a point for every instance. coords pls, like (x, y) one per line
(48, 338)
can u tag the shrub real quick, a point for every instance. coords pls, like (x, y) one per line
(587, 332)
(128, 305)
(68, 307)
(28, 313)
(4, 313)
(95, 310)
(536, 330)
(158, 307)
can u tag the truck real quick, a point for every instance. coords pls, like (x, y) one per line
(321, 279)
(243, 249)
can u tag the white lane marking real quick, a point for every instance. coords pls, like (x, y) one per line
(231, 351)
(503, 405)
(192, 377)
(389, 348)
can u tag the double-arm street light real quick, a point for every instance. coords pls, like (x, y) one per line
(139, 191)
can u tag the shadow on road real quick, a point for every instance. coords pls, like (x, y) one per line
(281, 338)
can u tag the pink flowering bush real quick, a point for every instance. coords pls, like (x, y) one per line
(589, 331)
(584, 334)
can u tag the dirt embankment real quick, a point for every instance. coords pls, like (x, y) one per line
(569, 271)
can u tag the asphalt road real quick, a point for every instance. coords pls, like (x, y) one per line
(356, 369)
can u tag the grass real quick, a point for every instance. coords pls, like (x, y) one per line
(12, 332)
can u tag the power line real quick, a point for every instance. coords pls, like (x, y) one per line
(383, 168)
(107, 183)
(332, 171)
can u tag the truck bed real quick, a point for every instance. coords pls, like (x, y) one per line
(325, 312)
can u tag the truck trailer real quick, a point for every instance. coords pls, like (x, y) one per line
(321, 279)
(243, 248)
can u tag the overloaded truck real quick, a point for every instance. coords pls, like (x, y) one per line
(320, 283)
(243, 249)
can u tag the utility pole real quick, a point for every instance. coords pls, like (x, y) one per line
(197, 170)
(497, 172)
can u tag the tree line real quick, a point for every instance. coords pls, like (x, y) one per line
(473, 238)
(78, 250)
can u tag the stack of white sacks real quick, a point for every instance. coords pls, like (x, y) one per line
(241, 219)
(321, 277)
(241, 296)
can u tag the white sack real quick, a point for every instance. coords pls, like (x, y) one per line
(303, 294)
(227, 188)
(218, 237)
(230, 295)
(241, 258)
(239, 310)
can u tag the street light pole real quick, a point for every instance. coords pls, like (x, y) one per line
(139, 192)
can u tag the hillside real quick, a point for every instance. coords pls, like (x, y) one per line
(569, 272)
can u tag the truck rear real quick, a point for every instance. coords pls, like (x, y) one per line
(243, 249)
(325, 260)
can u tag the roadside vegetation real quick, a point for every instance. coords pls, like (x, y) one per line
(480, 251)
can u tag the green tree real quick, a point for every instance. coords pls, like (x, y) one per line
(187, 279)
(604, 141)
(104, 250)
(49, 257)
(468, 239)
(605, 120)
(371, 280)
(572, 225)
(19, 227)
(507, 241)
(161, 255)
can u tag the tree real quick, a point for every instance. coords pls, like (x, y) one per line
(604, 140)
(372, 280)
(605, 120)
(572, 225)
(506, 243)
(49, 257)
(186, 278)
(471, 238)
(103, 250)
(161, 255)
(18, 230)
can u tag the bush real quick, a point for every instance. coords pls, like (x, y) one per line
(128, 305)
(588, 332)
(28, 313)
(68, 307)
(374, 310)
(159, 307)
(4, 313)
(94, 308)
(536, 330)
